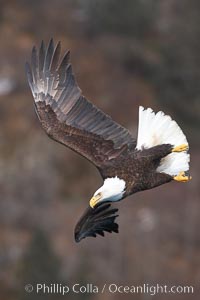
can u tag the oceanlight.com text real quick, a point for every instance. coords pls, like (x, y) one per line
(113, 288)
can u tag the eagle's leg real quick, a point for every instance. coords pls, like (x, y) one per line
(181, 148)
(182, 177)
(160, 178)
(150, 158)
(156, 153)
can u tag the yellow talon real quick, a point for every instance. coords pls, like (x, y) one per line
(181, 177)
(180, 148)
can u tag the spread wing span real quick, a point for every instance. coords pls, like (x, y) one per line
(66, 115)
(95, 221)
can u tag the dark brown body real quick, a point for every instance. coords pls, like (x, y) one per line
(138, 168)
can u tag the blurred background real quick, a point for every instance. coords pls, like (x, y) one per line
(124, 54)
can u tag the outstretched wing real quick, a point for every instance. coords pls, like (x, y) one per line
(95, 221)
(66, 115)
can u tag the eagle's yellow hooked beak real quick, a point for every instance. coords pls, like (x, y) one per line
(95, 200)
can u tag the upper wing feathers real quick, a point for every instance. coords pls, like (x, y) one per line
(63, 110)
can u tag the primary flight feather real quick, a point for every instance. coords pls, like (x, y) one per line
(126, 166)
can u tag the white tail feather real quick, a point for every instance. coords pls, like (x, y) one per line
(156, 129)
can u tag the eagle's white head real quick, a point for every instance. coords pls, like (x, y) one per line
(111, 190)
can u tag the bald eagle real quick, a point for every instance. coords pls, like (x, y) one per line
(159, 155)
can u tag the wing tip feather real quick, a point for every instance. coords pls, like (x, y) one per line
(96, 221)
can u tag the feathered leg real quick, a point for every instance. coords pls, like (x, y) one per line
(155, 153)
